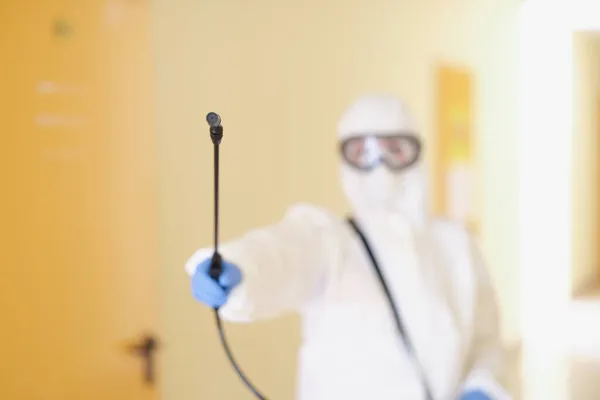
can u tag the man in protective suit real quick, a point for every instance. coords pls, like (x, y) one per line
(394, 304)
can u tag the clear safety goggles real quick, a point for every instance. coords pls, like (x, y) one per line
(366, 152)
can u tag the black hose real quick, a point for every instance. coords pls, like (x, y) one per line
(232, 360)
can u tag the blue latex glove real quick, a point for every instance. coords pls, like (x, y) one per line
(475, 395)
(207, 291)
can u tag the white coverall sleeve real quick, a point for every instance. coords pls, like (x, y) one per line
(486, 364)
(284, 266)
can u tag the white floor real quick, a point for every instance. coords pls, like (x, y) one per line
(570, 371)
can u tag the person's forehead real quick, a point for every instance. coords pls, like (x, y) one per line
(382, 134)
(376, 114)
(379, 123)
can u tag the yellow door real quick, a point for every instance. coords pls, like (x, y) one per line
(78, 208)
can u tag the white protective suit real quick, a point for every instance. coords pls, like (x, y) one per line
(313, 263)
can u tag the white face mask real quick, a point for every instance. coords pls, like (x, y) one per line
(381, 192)
(389, 183)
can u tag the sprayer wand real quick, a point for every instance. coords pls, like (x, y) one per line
(216, 267)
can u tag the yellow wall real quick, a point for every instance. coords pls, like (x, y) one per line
(280, 73)
(586, 56)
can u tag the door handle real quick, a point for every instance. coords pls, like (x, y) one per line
(146, 348)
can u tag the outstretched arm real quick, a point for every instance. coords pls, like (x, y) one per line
(284, 266)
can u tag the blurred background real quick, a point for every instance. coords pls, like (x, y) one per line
(106, 170)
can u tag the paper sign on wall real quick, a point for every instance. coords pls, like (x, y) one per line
(455, 161)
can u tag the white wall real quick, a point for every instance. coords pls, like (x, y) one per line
(297, 65)
(545, 144)
(586, 99)
(547, 158)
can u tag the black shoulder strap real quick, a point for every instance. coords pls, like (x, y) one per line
(396, 313)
